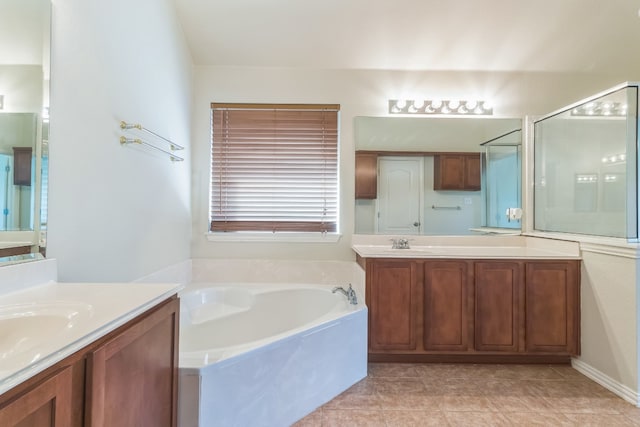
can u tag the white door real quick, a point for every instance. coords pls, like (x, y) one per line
(400, 188)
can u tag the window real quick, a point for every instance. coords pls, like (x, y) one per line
(274, 167)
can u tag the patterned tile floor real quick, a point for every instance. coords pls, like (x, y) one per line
(404, 395)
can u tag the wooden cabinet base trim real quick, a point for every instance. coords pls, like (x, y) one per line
(470, 358)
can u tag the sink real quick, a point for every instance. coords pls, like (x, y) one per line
(24, 328)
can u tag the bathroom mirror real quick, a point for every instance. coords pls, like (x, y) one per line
(406, 149)
(25, 28)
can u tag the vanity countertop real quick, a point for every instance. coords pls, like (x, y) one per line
(469, 252)
(45, 323)
(467, 247)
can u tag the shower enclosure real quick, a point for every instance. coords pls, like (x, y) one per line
(585, 166)
(501, 174)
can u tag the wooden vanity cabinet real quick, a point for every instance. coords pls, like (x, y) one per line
(46, 403)
(393, 300)
(366, 176)
(473, 310)
(552, 295)
(459, 172)
(447, 289)
(499, 306)
(128, 377)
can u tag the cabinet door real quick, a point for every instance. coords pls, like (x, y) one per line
(456, 172)
(132, 378)
(46, 404)
(366, 176)
(392, 298)
(472, 172)
(552, 307)
(448, 172)
(446, 305)
(498, 306)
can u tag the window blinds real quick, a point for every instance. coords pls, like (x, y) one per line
(274, 167)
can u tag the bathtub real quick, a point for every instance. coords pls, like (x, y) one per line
(266, 354)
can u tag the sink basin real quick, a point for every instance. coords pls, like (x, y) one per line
(26, 327)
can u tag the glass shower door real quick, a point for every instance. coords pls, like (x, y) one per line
(502, 176)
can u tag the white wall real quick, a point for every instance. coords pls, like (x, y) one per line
(609, 317)
(360, 93)
(117, 213)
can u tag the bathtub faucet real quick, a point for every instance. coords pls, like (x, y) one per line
(349, 293)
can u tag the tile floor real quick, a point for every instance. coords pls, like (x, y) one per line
(404, 395)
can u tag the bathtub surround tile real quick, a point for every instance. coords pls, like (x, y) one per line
(177, 273)
(276, 271)
(478, 395)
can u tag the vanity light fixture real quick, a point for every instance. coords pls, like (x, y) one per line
(585, 178)
(1, 102)
(615, 159)
(600, 109)
(446, 107)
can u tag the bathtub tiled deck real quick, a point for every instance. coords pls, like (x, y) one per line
(404, 395)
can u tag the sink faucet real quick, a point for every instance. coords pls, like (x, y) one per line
(400, 243)
(349, 293)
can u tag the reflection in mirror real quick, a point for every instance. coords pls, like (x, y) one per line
(583, 182)
(502, 175)
(24, 90)
(17, 171)
(422, 175)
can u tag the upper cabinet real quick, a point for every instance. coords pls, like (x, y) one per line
(459, 172)
(366, 175)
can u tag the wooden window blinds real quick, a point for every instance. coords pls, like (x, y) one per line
(274, 167)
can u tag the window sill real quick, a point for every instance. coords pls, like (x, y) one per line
(274, 237)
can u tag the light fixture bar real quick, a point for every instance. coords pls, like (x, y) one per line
(445, 107)
(600, 108)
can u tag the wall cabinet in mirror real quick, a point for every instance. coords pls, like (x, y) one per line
(366, 175)
(458, 172)
(22, 165)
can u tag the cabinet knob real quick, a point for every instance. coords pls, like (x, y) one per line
(416, 224)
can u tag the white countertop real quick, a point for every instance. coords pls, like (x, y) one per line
(467, 247)
(467, 252)
(87, 312)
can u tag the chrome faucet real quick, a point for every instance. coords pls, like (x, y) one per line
(349, 293)
(400, 243)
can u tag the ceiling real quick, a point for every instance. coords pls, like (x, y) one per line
(593, 36)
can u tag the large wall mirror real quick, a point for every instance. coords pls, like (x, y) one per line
(428, 176)
(25, 29)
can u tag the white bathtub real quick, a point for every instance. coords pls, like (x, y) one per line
(265, 354)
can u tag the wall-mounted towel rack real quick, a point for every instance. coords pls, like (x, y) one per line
(173, 146)
(124, 141)
(124, 125)
(450, 208)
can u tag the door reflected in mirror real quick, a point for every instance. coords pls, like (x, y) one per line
(424, 175)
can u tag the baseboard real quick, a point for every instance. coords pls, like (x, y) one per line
(606, 381)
